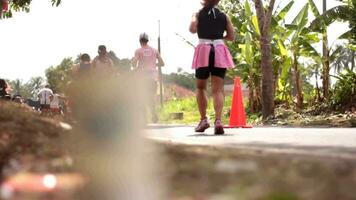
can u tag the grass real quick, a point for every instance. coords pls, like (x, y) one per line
(189, 108)
(283, 116)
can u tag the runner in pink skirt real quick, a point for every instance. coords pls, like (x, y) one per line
(211, 59)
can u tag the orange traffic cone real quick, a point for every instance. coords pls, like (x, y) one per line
(237, 113)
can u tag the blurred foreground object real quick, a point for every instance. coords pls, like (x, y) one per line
(107, 143)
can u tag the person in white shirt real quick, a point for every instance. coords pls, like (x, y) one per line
(54, 105)
(44, 96)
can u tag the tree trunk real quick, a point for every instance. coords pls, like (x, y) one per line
(264, 21)
(318, 98)
(250, 93)
(298, 84)
(326, 60)
(257, 93)
(353, 60)
(276, 77)
(326, 66)
(267, 77)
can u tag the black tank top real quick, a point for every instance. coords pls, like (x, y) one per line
(84, 67)
(211, 23)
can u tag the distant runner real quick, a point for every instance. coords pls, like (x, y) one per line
(102, 64)
(55, 104)
(146, 60)
(211, 58)
(84, 68)
(44, 96)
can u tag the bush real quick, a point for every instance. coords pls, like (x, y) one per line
(343, 95)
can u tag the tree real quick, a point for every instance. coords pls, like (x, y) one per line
(264, 17)
(34, 85)
(344, 59)
(184, 79)
(20, 5)
(326, 50)
(125, 65)
(345, 13)
(19, 88)
(297, 43)
(337, 58)
(58, 77)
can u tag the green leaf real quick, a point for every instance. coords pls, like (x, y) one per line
(312, 37)
(346, 35)
(314, 8)
(248, 49)
(308, 50)
(286, 65)
(282, 48)
(291, 26)
(352, 47)
(300, 18)
(340, 13)
(255, 24)
(284, 11)
(335, 53)
(248, 9)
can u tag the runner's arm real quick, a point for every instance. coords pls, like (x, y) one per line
(134, 60)
(93, 63)
(194, 23)
(160, 60)
(75, 69)
(111, 63)
(230, 33)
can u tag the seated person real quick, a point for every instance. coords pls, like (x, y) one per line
(4, 90)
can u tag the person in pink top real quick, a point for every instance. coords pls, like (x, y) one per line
(211, 59)
(145, 61)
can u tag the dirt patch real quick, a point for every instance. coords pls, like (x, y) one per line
(289, 118)
(211, 173)
(29, 142)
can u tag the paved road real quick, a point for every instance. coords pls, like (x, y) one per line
(326, 142)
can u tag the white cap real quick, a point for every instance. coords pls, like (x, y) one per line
(144, 36)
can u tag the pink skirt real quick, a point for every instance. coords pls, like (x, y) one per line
(223, 58)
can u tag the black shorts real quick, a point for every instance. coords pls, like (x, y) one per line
(204, 72)
(45, 107)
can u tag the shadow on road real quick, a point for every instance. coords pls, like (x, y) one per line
(210, 135)
(163, 126)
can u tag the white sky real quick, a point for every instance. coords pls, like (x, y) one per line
(31, 42)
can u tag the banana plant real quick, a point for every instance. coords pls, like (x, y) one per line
(245, 49)
(346, 13)
(326, 49)
(281, 58)
(300, 45)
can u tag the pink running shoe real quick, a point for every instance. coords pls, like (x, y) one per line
(219, 128)
(202, 126)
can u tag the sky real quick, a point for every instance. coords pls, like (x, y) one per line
(32, 42)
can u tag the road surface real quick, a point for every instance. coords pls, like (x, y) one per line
(325, 142)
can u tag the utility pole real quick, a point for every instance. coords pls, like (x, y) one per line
(160, 67)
